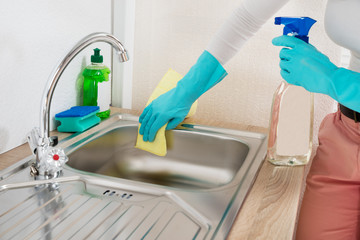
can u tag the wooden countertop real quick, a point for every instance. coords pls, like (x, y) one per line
(270, 209)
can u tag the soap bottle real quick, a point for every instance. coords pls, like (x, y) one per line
(291, 120)
(94, 74)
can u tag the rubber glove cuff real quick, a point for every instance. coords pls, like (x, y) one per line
(205, 74)
(346, 88)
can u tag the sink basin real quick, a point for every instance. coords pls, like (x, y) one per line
(111, 190)
(195, 160)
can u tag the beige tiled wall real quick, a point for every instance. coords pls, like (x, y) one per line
(173, 33)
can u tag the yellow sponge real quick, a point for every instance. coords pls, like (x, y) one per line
(158, 146)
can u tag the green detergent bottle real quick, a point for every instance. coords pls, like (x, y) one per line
(94, 74)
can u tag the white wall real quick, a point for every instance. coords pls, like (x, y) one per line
(34, 36)
(173, 34)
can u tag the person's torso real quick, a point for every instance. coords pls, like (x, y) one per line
(342, 24)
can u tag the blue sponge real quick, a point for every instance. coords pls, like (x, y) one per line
(77, 119)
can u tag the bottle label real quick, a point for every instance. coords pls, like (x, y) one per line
(104, 95)
(294, 126)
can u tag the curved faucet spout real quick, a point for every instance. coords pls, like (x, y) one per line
(40, 138)
(54, 77)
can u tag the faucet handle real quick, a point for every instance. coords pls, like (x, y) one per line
(53, 160)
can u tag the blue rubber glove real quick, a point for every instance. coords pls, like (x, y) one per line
(303, 65)
(173, 106)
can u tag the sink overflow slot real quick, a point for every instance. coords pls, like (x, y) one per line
(113, 193)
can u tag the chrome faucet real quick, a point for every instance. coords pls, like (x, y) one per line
(50, 160)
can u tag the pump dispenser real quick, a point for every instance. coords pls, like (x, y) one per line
(96, 94)
(291, 123)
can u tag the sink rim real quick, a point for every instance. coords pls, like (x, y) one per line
(253, 138)
(174, 163)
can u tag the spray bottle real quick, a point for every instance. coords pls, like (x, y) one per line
(291, 123)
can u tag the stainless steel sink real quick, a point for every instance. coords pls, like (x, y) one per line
(111, 190)
(195, 159)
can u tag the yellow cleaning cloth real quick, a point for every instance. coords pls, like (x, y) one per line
(158, 146)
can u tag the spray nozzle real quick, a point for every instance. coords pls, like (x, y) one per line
(298, 26)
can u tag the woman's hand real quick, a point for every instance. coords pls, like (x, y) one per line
(303, 65)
